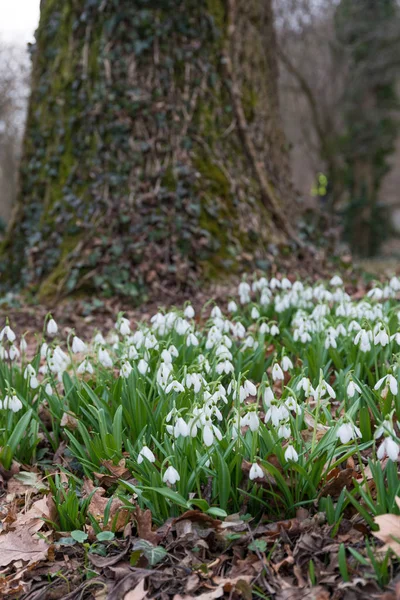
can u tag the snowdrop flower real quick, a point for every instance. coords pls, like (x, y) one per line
(305, 385)
(85, 367)
(292, 404)
(104, 358)
(23, 346)
(13, 352)
(175, 386)
(224, 366)
(232, 306)
(286, 284)
(146, 453)
(173, 351)
(386, 427)
(381, 337)
(352, 388)
(189, 312)
(194, 380)
(12, 402)
(388, 448)
(391, 381)
(363, 338)
(336, 281)
(52, 327)
(256, 472)
(284, 431)
(78, 345)
(123, 326)
(244, 292)
(286, 363)
(255, 314)
(330, 341)
(216, 313)
(143, 366)
(375, 294)
(44, 348)
(126, 370)
(250, 420)
(8, 332)
(276, 414)
(181, 326)
(348, 431)
(171, 476)
(291, 454)
(264, 328)
(268, 396)
(274, 330)
(395, 337)
(247, 389)
(192, 340)
(99, 339)
(48, 389)
(277, 373)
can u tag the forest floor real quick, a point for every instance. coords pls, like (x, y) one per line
(194, 555)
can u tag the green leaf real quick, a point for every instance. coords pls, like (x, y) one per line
(79, 536)
(258, 546)
(214, 511)
(105, 536)
(154, 554)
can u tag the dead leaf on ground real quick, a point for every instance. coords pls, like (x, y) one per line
(116, 472)
(118, 516)
(25, 482)
(138, 593)
(389, 528)
(338, 479)
(21, 545)
(33, 519)
(144, 523)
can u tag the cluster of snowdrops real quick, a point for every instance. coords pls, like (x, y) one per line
(253, 401)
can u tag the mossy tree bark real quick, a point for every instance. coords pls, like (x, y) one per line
(153, 151)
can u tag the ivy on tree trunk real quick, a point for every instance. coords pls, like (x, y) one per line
(154, 152)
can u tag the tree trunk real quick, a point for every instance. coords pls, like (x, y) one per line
(153, 144)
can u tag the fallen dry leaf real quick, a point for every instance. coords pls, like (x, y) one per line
(21, 545)
(33, 519)
(389, 528)
(144, 526)
(138, 593)
(118, 517)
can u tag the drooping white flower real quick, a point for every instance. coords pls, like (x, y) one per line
(13, 352)
(336, 281)
(352, 388)
(52, 327)
(192, 340)
(104, 357)
(174, 386)
(277, 373)
(255, 472)
(388, 448)
(255, 313)
(171, 476)
(85, 367)
(391, 381)
(232, 306)
(12, 402)
(8, 332)
(143, 366)
(274, 330)
(250, 420)
(286, 363)
(126, 370)
(189, 312)
(23, 346)
(348, 431)
(78, 345)
(291, 454)
(123, 326)
(146, 453)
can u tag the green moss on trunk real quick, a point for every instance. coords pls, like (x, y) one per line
(131, 148)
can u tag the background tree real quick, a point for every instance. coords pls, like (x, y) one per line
(153, 149)
(370, 33)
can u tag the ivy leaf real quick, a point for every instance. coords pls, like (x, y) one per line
(258, 546)
(79, 536)
(154, 554)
